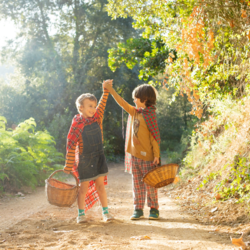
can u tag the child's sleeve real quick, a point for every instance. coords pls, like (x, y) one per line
(71, 147)
(70, 155)
(156, 148)
(126, 106)
(102, 103)
(70, 159)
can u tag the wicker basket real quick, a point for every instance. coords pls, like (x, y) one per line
(59, 193)
(161, 176)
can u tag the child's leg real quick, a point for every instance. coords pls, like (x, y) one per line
(139, 190)
(82, 194)
(81, 201)
(152, 195)
(99, 184)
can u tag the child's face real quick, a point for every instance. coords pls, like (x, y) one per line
(88, 108)
(138, 103)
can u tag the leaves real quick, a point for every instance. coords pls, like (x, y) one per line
(239, 242)
(149, 54)
(218, 196)
(3, 121)
(25, 153)
(176, 179)
(211, 41)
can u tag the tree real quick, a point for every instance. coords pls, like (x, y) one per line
(174, 119)
(211, 40)
(61, 50)
(150, 54)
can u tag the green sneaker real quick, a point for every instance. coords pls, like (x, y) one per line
(138, 214)
(154, 214)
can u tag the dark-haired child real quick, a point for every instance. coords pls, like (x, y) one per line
(142, 145)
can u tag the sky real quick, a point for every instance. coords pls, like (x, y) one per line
(8, 31)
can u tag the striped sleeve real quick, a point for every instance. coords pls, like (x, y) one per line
(102, 103)
(70, 156)
(80, 145)
(70, 159)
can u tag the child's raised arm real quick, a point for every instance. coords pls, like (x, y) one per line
(126, 106)
(102, 103)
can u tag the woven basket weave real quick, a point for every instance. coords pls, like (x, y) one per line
(59, 193)
(161, 176)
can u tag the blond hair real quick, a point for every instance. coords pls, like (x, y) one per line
(81, 98)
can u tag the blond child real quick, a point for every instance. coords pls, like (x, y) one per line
(142, 146)
(85, 156)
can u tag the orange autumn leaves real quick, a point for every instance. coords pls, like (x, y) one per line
(197, 43)
(203, 50)
(239, 242)
(243, 13)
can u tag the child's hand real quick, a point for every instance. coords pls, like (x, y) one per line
(156, 161)
(107, 84)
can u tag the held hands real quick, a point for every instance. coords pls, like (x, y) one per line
(107, 84)
(156, 161)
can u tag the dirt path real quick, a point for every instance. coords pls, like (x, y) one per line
(32, 223)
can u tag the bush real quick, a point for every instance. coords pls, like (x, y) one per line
(27, 157)
(219, 150)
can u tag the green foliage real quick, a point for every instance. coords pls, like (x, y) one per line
(211, 39)
(173, 157)
(233, 184)
(212, 176)
(174, 119)
(150, 55)
(27, 156)
(226, 75)
(60, 53)
(237, 183)
(110, 152)
(214, 135)
(157, 18)
(219, 150)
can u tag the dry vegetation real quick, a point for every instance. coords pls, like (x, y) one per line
(216, 176)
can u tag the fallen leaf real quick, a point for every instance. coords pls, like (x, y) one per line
(144, 237)
(176, 179)
(239, 242)
(217, 196)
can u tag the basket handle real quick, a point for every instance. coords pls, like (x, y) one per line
(60, 170)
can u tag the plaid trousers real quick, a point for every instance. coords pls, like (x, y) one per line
(139, 169)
